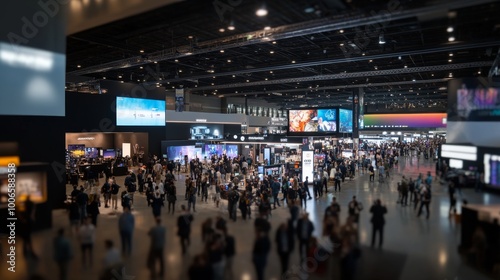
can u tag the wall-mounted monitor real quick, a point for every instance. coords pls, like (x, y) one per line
(91, 152)
(492, 170)
(425, 120)
(139, 112)
(109, 153)
(206, 131)
(213, 149)
(178, 152)
(345, 121)
(77, 150)
(312, 121)
(232, 151)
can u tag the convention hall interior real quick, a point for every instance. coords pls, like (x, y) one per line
(250, 139)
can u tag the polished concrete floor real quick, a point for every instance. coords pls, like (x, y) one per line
(414, 248)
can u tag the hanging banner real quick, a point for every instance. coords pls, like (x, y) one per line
(179, 100)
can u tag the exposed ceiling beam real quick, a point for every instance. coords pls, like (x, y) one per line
(278, 33)
(363, 74)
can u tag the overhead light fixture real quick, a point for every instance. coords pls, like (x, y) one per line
(293, 61)
(229, 61)
(141, 51)
(190, 37)
(414, 80)
(399, 57)
(265, 79)
(234, 76)
(262, 11)
(119, 76)
(451, 54)
(271, 52)
(363, 54)
(121, 82)
(222, 30)
(449, 60)
(370, 61)
(180, 70)
(274, 42)
(309, 9)
(231, 26)
(104, 78)
(79, 66)
(248, 81)
(222, 51)
(341, 31)
(381, 39)
(156, 62)
(176, 60)
(451, 39)
(141, 67)
(450, 29)
(406, 66)
(267, 28)
(341, 44)
(479, 72)
(271, 72)
(213, 84)
(450, 75)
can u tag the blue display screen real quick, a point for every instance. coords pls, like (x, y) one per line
(345, 121)
(137, 112)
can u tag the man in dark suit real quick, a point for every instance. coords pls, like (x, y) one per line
(378, 211)
(304, 231)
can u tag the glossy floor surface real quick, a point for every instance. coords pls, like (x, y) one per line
(414, 248)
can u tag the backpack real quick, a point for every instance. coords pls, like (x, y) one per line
(427, 195)
(131, 187)
(114, 189)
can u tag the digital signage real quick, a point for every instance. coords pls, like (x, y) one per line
(345, 121)
(307, 121)
(427, 120)
(232, 151)
(178, 152)
(139, 112)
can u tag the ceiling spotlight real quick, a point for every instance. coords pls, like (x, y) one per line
(370, 61)
(274, 42)
(231, 26)
(141, 51)
(449, 29)
(271, 72)
(222, 51)
(479, 72)
(341, 44)
(190, 37)
(363, 54)
(432, 74)
(138, 80)
(399, 57)
(450, 75)
(309, 10)
(141, 67)
(414, 80)
(229, 61)
(449, 60)
(213, 84)
(176, 60)
(376, 68)
(271, 52)
(341, 31)
(222, 30)
(265, 79)
(293, 61)
(267, 28)
(451, 54)
(121, 82)
(120, 76)
(451, 39)
(104, 78)
(156, 62)
(180, 70)
(213, 77)
(234, 76)
(261, 12)
(406, 66)
(248, 81)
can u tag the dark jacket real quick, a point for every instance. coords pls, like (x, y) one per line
(291, 239)
(310, 229)
(184, 225)
(378, 212)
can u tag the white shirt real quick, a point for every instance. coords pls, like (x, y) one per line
(112, 257)
(161, 187)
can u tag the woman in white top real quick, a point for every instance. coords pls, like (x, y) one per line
(86, 236)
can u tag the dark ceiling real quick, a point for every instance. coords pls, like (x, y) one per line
(316, 52)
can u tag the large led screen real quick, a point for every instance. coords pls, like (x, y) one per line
(178, 152)
(345, 121)
(210, 131)
(312, 120)
(427, 120)
(232, 151)
(32, 81)
(212, 149)
(138, 112)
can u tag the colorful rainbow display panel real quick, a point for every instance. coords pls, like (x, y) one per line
(427, 120)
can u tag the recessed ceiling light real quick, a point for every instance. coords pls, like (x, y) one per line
(479, 72)
(195, 85)
(399, 57)
(271, 72)
(341, 44)
(406, 66)
(265, 79)
(156, 62)
(138, 80)
(234, 76)
(451, 39)
(119, 76)
(213, 77)
(141, 67)
(274, 42)
(261, 12)
(229, 60)
(231, 27)
(341, 30)
(267, 28)
(414, 80)
(222, 30)
(248, 81)
(451, 54)
(432, 74)
(213, 84)
(271, 52)
(79, 66)
(141, 51)
(293, 61)
(222, 51)
(104, 78)
(449, 60)
(121, 82)
(190, 37)
(449, 29)
(173, 87)
(370, 61)
(176, 60)
(363, 54)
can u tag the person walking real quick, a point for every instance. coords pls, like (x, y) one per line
(126, 224)
(304, 231)
(112, 261)
(229, 252)
(325, 180)
(87, 238)
(63, 253)
(275, 187)
(302, 193)
(171, 197)
(158, 235)
(184, 228)
(404, 191)
(378, 221)
(337, 178)
(355, 208)
(260, 252)
(425, 200)
(115, 189)
(192, 196)
(371, 170)
(93, 208)
(285, 241)
(156, 204)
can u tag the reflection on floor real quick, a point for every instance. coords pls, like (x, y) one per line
(414, 248)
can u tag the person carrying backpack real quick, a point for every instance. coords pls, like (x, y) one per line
(114, 195)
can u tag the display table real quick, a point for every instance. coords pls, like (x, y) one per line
(120, 171)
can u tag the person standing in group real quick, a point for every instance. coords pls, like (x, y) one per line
(229, 252)
(93, 208)
(243, 205)
(275, 187)
(115, 189)
(285, 241)
(87, 238)
(126, 224)
(171, 197)
(106, 193)
(158, 235)
(325, 180)
(425, 200)
(63, 253)
(304, 231)
(338, 178)
(305, 184)
(82, 199)
(184, 228)
(260, 252)
(378, 221)
(333, 210)
(156, 204)
(232, 197)
(355, 208)
(404, 191)
(371, 170)
(131, 187)
(192, 196)
(302, 193)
